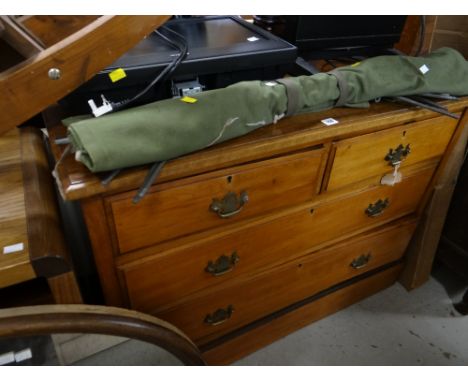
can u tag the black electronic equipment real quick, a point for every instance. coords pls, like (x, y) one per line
(333, 36)
(222, 50)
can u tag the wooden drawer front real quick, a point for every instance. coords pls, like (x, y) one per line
(363, 157)
(164, 278)
(174, 210)
(287, 284)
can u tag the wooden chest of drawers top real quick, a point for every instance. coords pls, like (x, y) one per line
(75, 181)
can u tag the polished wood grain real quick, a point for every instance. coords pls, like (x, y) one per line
(47, 248)
(65, 289)
(183, 208)
(152, 281)
(268, 331)
(54, 28)
(290, 134)
(270, 291)
(364, 156)
(52, 319)
(410, 39)
(27, 87)
(18, 37)
(14, 267)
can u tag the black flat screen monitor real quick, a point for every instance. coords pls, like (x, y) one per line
(321, 33)
(222, 50)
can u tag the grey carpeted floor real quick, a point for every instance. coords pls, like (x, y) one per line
(393, 327)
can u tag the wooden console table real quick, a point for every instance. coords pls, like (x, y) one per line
(245, 242)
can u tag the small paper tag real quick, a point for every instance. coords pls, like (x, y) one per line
(13, 248)
(424, 69)
(270, 83)
(392, 179)
(329, 121)
(117, 75)
(23, 355)
(252, 39)
(188, 99)
(7, 358)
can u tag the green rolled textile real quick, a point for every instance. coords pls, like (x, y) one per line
(168, 129)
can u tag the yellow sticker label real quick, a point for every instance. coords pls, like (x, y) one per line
(188, 99)
(356, 64)
(117, 75)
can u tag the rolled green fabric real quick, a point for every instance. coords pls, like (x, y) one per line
(168, 129)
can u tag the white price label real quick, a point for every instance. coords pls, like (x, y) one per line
(424, 69)
(23, 355)
(13, 248)
(329, 121)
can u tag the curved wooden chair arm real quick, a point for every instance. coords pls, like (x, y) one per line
(54, 319)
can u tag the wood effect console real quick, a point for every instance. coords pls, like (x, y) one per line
(245, 242)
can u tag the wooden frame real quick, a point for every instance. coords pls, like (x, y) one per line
(27, 87)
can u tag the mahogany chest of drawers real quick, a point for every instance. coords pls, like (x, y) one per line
(247, 241)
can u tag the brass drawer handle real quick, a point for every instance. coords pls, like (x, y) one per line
(361, 261)
(377, 208)
(223, 264)
(395, 157)
(230, 205)
(220, 316)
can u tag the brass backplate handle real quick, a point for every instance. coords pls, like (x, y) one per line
(230, 205)
(377, 208)
(396, 156)
(220, 316)
(223, 264)
(361, 261)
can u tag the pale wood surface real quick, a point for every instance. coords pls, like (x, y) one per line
(27, 87)
(14, 267)
(269, 184)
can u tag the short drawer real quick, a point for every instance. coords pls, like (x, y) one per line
(179, 208)
(238, 304)
(374, 154)
(163, 278)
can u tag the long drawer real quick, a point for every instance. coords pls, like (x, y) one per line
(374, 154)
(240, 303)
(162, 278)
(183, 207)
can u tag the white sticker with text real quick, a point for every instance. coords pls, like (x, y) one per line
(424, 69)
(13, 248)
(329, 121)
